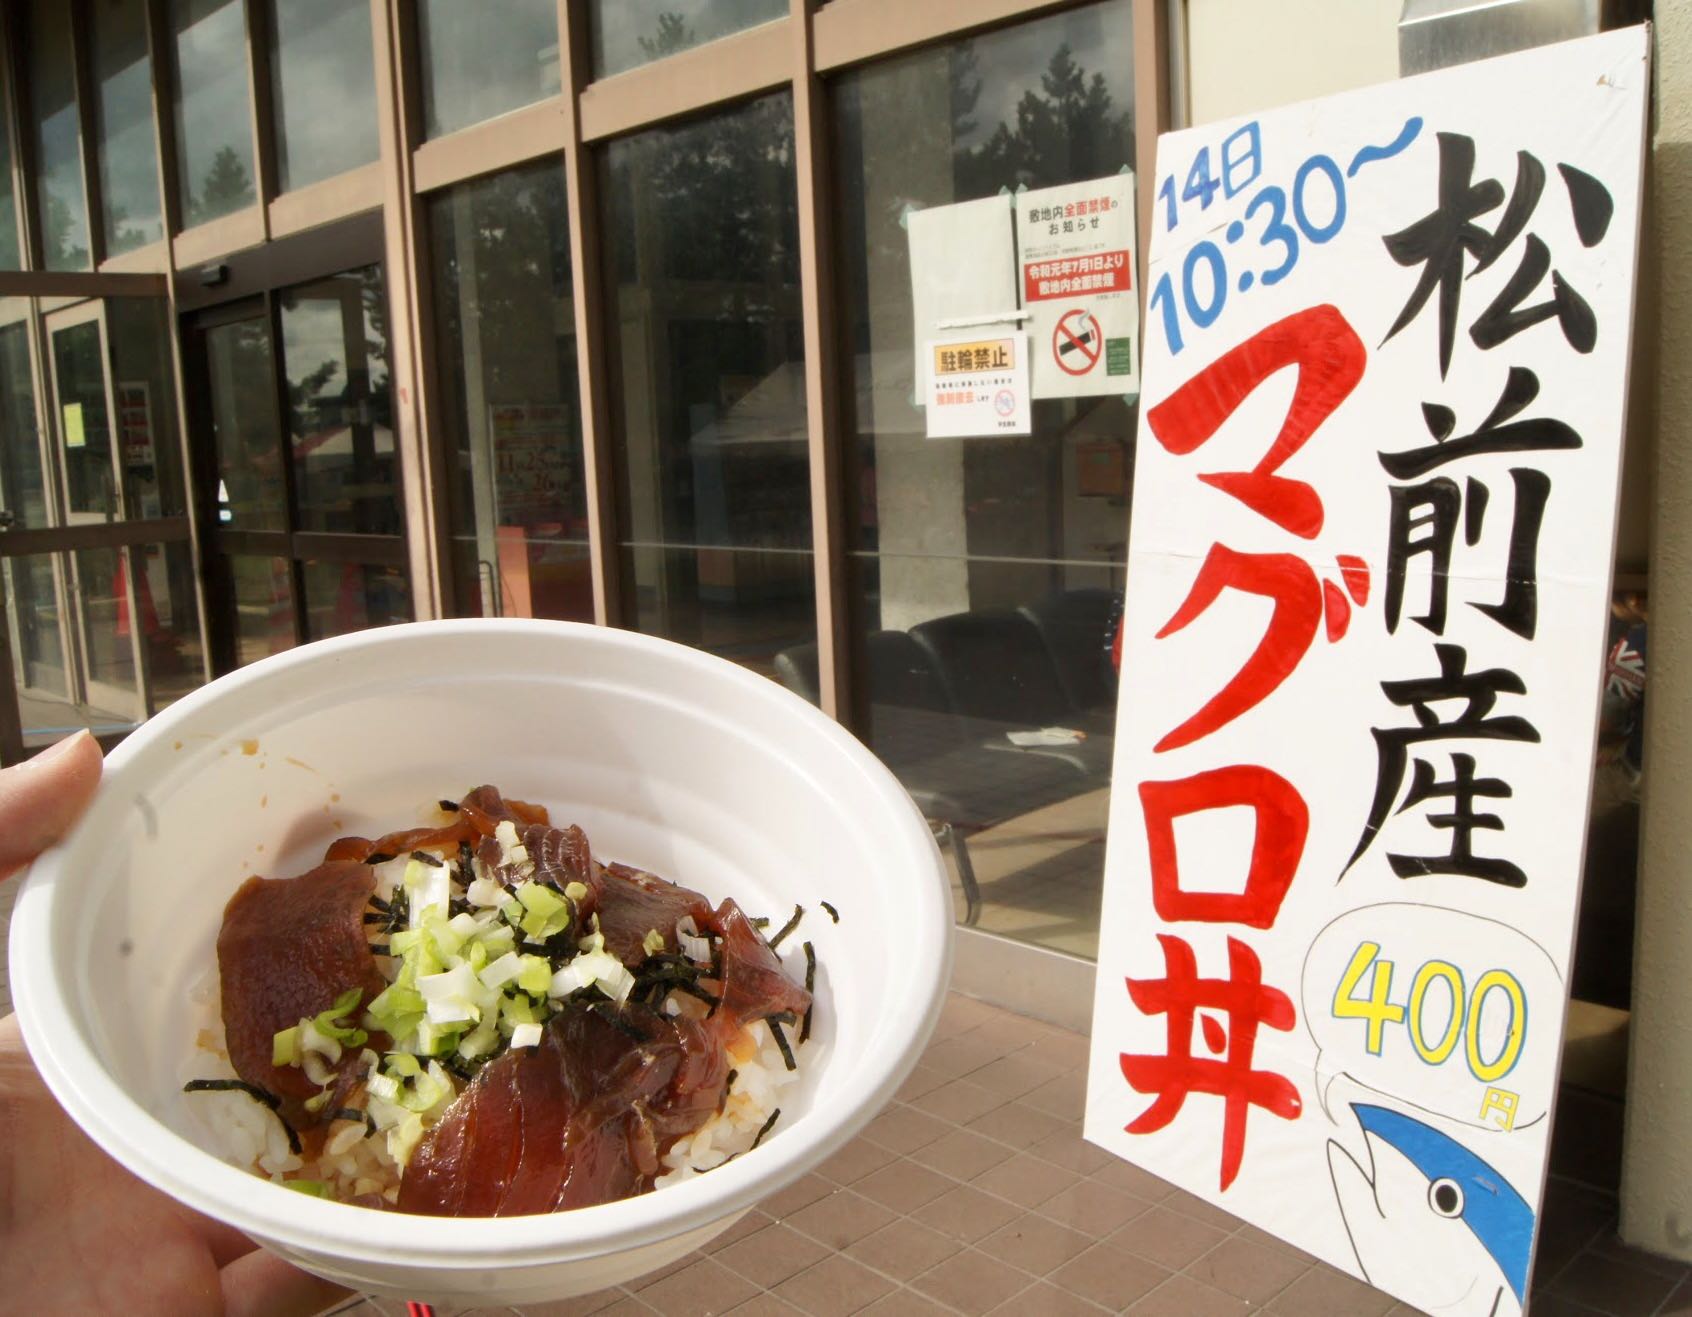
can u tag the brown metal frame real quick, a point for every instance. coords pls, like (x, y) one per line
(587, 274)
(813, 161)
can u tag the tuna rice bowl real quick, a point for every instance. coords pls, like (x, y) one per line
(477, 1017)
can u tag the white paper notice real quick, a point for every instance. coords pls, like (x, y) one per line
(1078, 258)
(961, 269)
(1369, 578)
(978, 387)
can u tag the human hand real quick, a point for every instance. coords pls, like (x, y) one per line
(78, 1233)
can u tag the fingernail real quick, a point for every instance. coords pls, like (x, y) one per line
(59, 748)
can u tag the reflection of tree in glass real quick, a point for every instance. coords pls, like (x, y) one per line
(673, 35)
(244, 410)
(227, 187)
(307, 399)
(519, 241)
(60, 252)
(712, 201)
(121, 235)
(1068, 130)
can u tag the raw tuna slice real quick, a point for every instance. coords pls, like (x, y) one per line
(288, 948)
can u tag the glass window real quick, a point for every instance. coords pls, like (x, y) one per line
(340, 421)
(85, 432)
(708, 382)
(350, 596)
(63, 209)
(23, 489)
(144, 392)
(987, 572)
(214, 137)
(170, 621)
(129, 162)
(102, 597)
(34, 624)
(475, 68)
(511, 421)
(251, 493)
(263, 591)
(320, 56)
(627, 33)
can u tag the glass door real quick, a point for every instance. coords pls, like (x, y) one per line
(35, 623)
(104, 620)
(304, 521)
(98, 577)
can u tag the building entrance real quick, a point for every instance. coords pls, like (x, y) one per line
(296, 467)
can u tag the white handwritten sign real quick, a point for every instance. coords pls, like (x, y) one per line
(1385, 372)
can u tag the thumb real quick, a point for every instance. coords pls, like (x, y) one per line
(41, 797)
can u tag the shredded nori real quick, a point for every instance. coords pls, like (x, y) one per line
(788, 927)
(450, 806)
(424, 857)
(729, 1082)
(832, 912)
(760, 922)
(379, 917)
(767, 1125)
(380, 949)
(781, 1039)
(353, 1113)
(810, 986)
(377, 857)
(263, 1096)
(379, 903)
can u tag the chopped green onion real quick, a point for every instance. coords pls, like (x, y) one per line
(653, 942)
(311, 1188)
(285, 1047)
(535, 974)
(539, 899)
(397, 1011)
(344, 1005)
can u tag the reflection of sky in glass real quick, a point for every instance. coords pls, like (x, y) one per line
(322, 57)
(213, 116)
(621, 26)
(474, 68)
(313, 337)
(64, 217)
(129, 179)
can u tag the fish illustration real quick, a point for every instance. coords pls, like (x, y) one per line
(1430, 1221)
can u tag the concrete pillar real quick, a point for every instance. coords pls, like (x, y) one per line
(1656, 1189)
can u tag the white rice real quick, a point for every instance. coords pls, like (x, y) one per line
(760, 1077)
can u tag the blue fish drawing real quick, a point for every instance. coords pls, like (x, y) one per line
(1430, 1221)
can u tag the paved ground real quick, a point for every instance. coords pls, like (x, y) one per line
(975, 1193)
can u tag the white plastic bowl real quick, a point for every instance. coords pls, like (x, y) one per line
(669, 758)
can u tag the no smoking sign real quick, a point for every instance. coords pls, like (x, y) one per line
(1077, 342)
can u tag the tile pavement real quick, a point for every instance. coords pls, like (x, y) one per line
(974, 1193)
